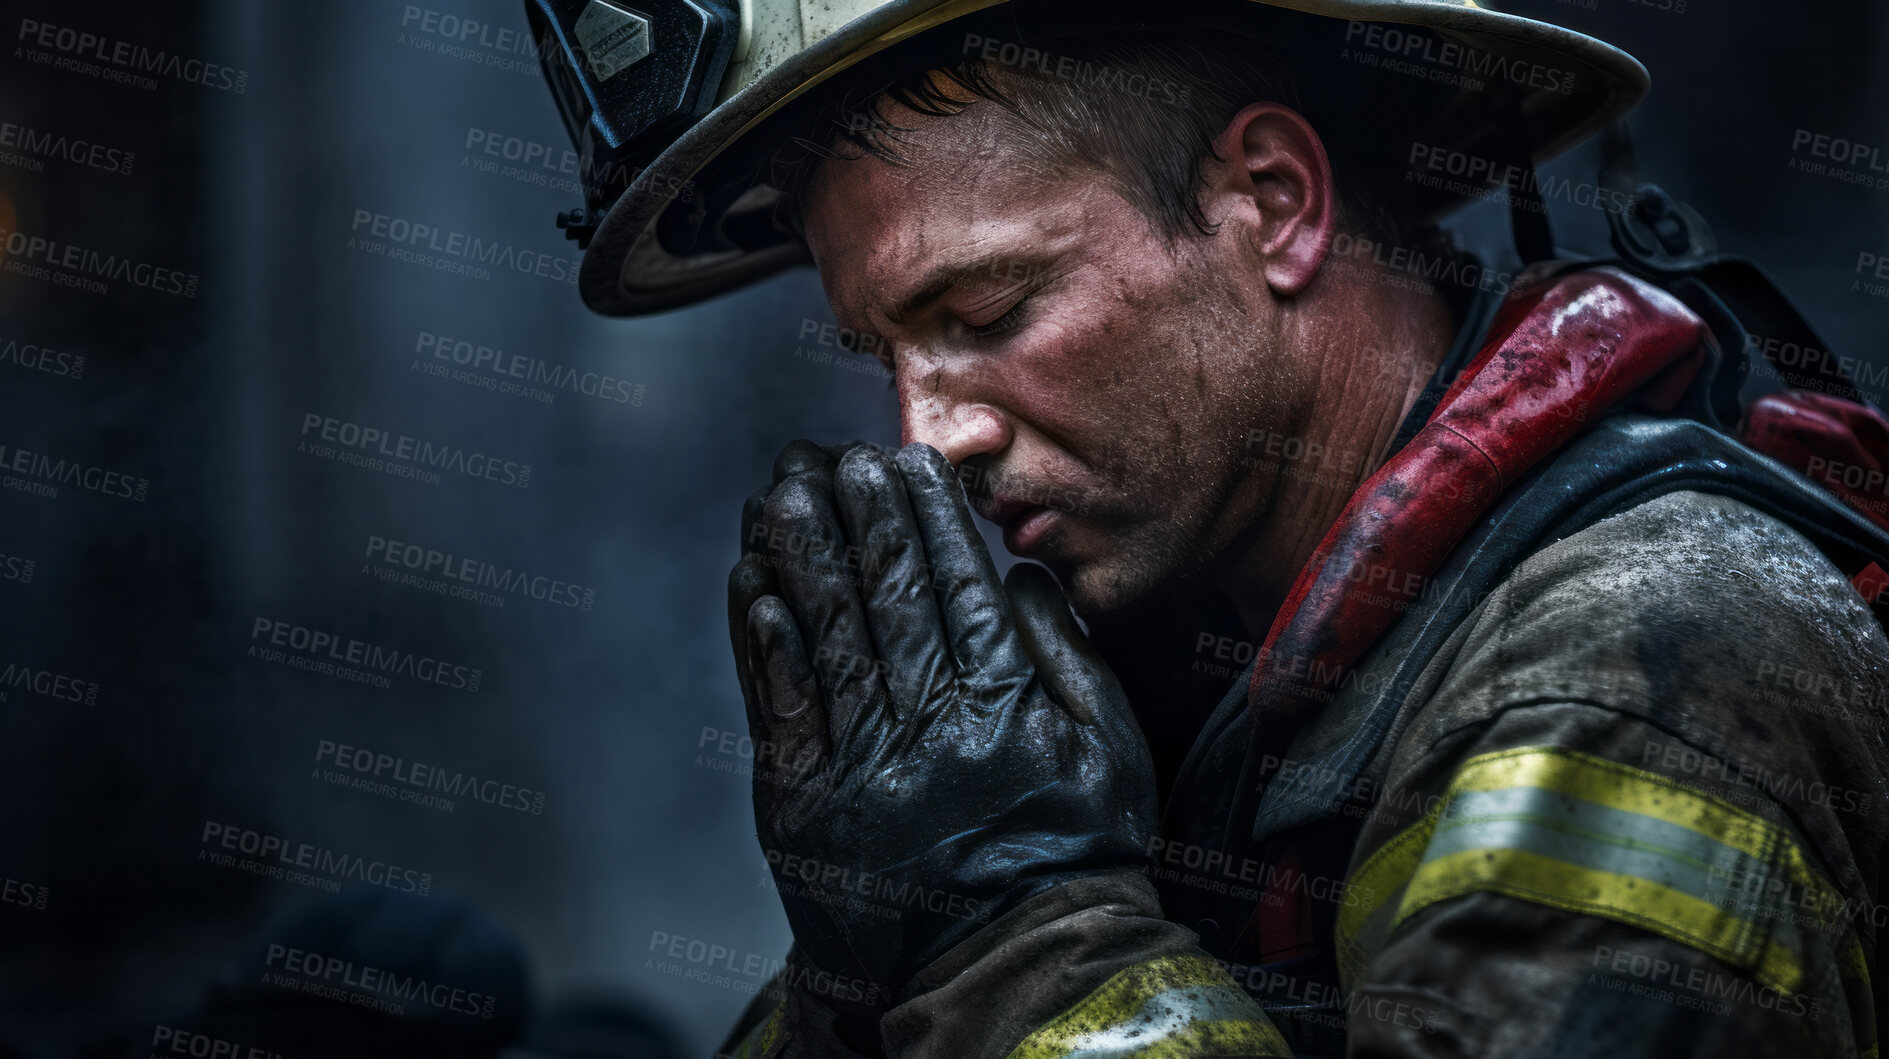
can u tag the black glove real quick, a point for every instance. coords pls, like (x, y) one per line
(939, 747)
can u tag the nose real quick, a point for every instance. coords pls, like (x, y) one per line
(935, 408)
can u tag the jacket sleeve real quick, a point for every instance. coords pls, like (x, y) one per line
(1089, 968)
(1609, 833)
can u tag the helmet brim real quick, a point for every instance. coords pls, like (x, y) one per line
(637, 264)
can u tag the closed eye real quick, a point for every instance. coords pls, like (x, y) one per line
(1004, 324)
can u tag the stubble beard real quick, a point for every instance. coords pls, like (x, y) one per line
(1169, 538)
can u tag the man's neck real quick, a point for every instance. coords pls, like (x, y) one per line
(1375, 356)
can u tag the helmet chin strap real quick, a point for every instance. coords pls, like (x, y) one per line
(1529, 226)
(1528, 220)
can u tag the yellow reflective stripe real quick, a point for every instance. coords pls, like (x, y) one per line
(1377, 881)
(1397, 881)
(1172, 1006)
(1617, 786)
(766, 1034)
(773, 1033)
(1588, 891)
(1852, 964)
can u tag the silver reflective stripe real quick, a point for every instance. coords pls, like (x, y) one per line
(1575, 831)
(1165, 1014)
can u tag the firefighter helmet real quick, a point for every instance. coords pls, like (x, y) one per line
(676, 104)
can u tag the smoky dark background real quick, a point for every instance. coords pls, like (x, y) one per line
(568, 915)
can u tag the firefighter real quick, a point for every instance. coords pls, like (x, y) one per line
(1565, 730)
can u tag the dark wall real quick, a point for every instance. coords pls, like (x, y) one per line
(270, 195)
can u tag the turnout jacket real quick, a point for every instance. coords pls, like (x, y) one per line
(1611, 780)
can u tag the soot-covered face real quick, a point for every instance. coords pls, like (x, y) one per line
(1092, 378)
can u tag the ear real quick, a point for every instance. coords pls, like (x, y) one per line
(1272, 173)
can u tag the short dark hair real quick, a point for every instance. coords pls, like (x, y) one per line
(1143, 111)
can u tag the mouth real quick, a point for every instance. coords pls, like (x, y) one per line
(1024, 524)
(1024, 535)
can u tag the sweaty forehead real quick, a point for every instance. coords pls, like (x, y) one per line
(964, 187)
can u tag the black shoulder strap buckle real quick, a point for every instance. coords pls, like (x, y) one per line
(1666, 242)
